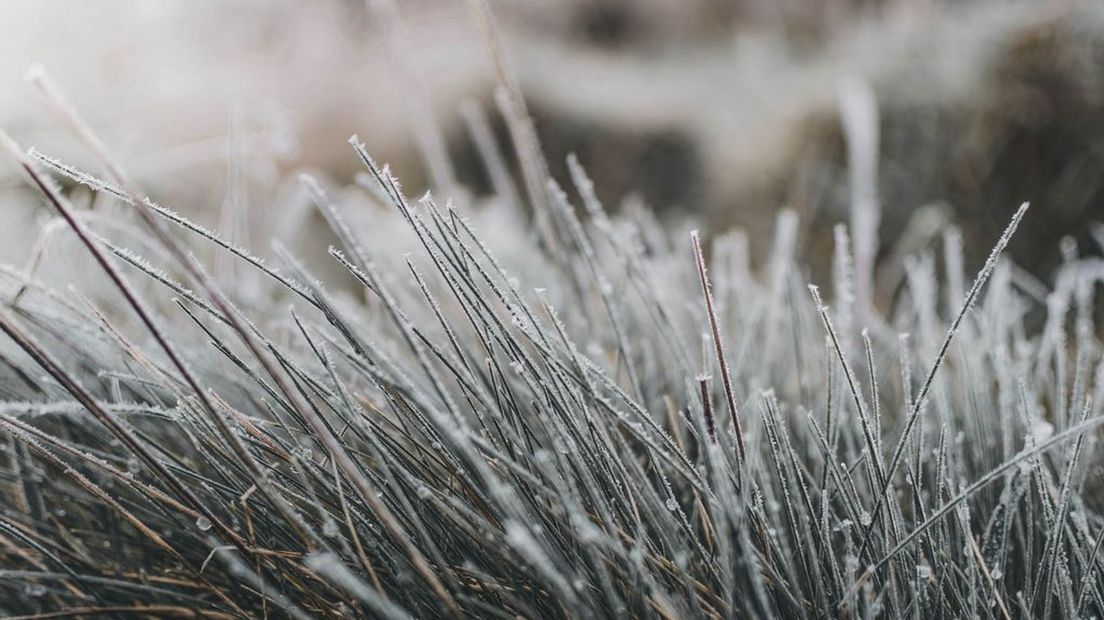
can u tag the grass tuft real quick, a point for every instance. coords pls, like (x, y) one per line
(512, 422)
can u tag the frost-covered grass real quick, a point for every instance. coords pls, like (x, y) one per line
(609, 417)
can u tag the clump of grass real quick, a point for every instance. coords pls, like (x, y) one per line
(633, 425)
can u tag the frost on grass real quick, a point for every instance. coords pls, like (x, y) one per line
(633, 424)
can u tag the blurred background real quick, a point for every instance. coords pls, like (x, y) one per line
(726, 110)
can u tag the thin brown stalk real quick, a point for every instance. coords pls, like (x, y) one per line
(707, 408)
(718, 347)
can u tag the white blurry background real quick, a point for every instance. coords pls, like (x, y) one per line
(725, 109)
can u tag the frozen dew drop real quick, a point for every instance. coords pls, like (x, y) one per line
(681, 560)
(1042, 430)
(851, 562)
(560, 446)
(203, 523)
(672, 505)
